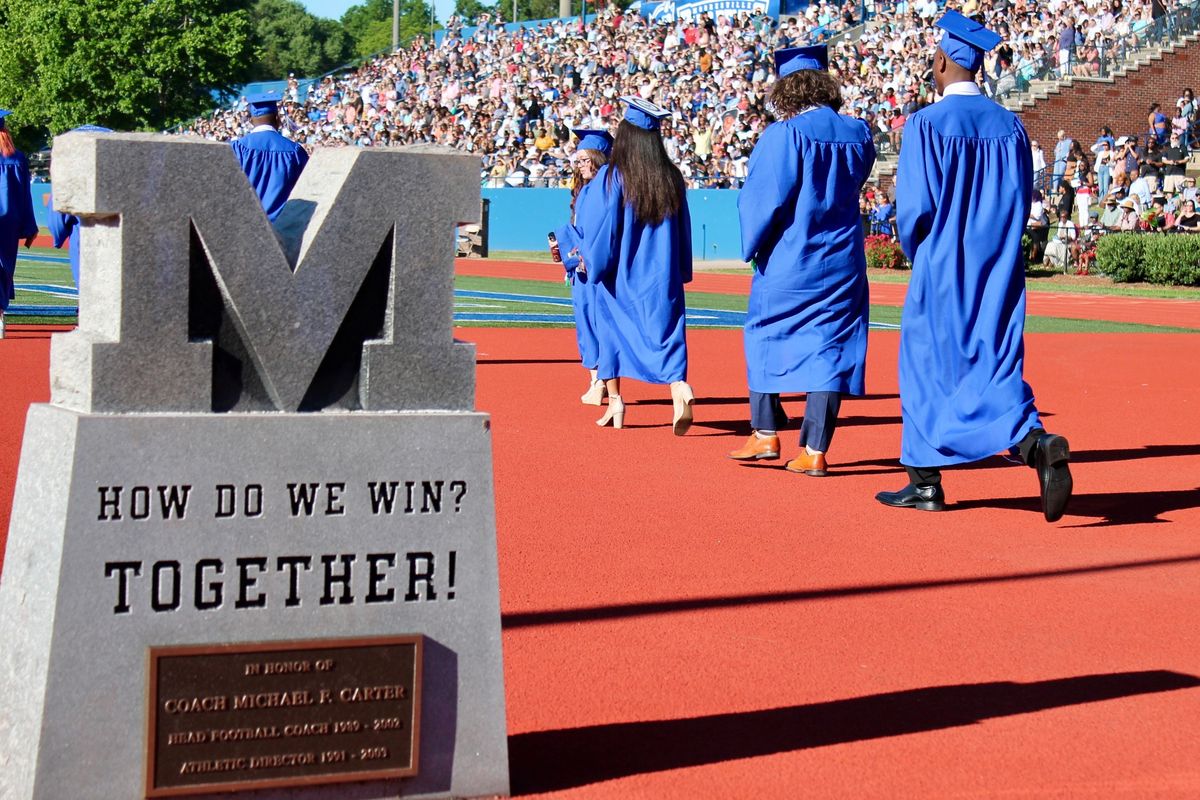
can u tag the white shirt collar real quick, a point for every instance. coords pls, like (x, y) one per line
(963, 89)
(261, 128)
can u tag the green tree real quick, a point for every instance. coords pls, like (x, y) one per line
(369, 24)
(127, 64)
(289, 39)
(468, 10)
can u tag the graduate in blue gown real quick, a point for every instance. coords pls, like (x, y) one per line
(591, 153)
(636, 247)
(962, 197)
(17, 223)
(271, 161)
(65, 227)
(806, 325)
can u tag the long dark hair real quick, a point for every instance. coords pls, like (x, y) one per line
(653, 185)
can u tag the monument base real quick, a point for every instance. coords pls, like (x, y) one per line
(252, 533)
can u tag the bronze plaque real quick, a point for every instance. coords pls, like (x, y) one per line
(226, 718)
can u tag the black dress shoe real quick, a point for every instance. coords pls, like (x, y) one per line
(1054, 475)
(925, 497)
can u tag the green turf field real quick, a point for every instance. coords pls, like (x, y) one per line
(59, 274)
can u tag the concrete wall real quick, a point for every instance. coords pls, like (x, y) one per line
(520, 219)
(1085, 105)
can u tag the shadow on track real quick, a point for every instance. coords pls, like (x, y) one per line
(1115, 508)
(546, 761)
(532, 619)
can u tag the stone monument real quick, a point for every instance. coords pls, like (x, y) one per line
(253, 539)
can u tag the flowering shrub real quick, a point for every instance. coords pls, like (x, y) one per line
(883, 252)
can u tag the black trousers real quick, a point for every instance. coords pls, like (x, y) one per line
(933, 475)
(820, 416)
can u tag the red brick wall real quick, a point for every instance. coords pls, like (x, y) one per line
(1081, 108)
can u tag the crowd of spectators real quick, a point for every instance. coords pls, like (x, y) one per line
(512, 97)
(1132, 182)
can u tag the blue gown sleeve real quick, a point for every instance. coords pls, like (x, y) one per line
(685, 241)
(917, 173)
(61, 225)
(598, 216)
(568, 242)
(770, 187)
(28, 222)
(1025, 154)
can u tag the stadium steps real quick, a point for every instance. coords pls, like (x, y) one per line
(885, 165)
(1041, 90)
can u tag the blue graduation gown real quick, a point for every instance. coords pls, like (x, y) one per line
(806, 325)
(963, 190)
(64, 228)
(581, 297)
(273, 164)
(17, 222)
(638, 271)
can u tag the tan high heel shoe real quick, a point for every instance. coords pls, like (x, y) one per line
(595, 394)
(615, 413)
(682, 399)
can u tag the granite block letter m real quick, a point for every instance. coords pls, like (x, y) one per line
(193, 302)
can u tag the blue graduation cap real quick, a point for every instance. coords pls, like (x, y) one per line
(965, 40)
(643, 113)
(262, 104)
(593, 140)
(4, 112)
(90, 129)
(794, 59)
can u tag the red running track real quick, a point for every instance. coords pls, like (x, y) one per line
(1180, 313)
(681, 626)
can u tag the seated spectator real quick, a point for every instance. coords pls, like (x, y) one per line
(1159, 218)
(1110, 218)
(1129, 216)
(1141, 191)
(1188, 220)
(1063, 246)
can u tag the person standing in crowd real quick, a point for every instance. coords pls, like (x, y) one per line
(1039, 159)
(806, 325)
(636, 246)
(65, 227)
(591, 153)
(1175, 160)
(271, 161)
(964, 176)
(1158, 124)
(17, 223)
(1062, 149)
(1104, 157)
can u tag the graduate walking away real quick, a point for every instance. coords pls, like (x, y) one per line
(591, 153)
(65, 227)
(806, 325)
(271, 161)
(636, 244)
(963, 191)
(17, 223)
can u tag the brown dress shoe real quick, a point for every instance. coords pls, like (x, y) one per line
(813, 465)
(757, 449)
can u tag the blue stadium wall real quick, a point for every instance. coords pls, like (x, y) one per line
(520, 218)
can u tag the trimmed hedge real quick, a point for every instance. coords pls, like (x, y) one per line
(1119, 256)
(1173, 260)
